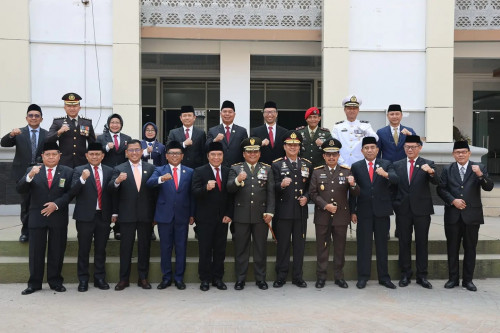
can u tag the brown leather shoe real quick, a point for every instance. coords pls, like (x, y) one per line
(144, 284)
(122, 285)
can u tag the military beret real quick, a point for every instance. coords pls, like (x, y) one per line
(310, 111)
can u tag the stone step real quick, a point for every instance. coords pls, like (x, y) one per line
(15, 269)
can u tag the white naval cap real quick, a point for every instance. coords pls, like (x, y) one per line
(351, 100)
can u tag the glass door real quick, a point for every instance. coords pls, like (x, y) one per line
(486, 134)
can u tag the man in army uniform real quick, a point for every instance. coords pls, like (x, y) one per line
(330, 184)
(351, 132)
(291, 177)
(73, 132)
(253, 186)
(313, 137)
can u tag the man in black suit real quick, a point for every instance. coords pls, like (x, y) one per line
(72, 131)
(192, 138)
(29, 142)
(136, 207)
(413, 208)
(214, 211)
(460, 188)
(228, 134)
(49, 186)
(93, 210)
(114, 142)
(371, 211)
(271, 133)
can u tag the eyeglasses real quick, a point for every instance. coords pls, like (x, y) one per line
(150, 130)
(174, 153)
(50, 154)
(460, 152)
(33, 115)
(410, 147)
(269, 112)
(331, 154)
(136, 150)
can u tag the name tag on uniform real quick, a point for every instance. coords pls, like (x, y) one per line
(62, 181)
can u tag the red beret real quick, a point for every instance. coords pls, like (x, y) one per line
(312, 110)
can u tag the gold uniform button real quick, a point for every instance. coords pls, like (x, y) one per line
(74, 138)
(74, 153)
(74, 131)
(251, 193)
(74, 146)
(251, 202)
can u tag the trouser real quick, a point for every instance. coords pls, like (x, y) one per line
(244, 232)
(421, 224)
(212, 239)
(456, 234)
(290, 228)
(324, 236)
(172, 235)
(128, 230)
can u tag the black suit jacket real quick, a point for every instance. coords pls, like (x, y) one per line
(267, 153)
(22, 158)
(194, 155)
(414, 197)
(86, 194)
(232, 150)
(451, 187)
(374, 198)
(133, 205)
(211, 206)
(112, 158)
(59, 193)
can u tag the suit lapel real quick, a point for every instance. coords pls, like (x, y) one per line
(92, 175)
(468, 171)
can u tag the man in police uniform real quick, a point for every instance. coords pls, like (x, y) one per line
(73, 132)
(351, 132)
(313, 137)
(253, 186)
(330, 184)
(291, 177)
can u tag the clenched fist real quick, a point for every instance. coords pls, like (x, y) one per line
(35, 170)
(121, 177)
(85, 174)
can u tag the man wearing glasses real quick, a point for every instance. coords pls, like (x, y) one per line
(413, 207)
(29, 141)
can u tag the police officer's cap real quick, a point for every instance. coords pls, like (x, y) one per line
(71, 99)
(331, 145)
(368, 140)
(351, 100)
(293, 137)
(251, 144)
(394, 107)
(95, 146)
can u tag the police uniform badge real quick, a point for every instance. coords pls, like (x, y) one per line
(304, 171)
(84, 130)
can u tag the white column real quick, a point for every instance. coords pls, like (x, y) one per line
(235, 79)
(463, 101)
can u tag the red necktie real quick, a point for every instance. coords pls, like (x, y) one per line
(271, 136)
(49, 177)
(98, 185)
(228, 133)
(217, 178)
(411, 169)
(187, 133)
(176, 180)
(370, 170)
(116, 142)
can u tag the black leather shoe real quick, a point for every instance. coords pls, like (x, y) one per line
(29, 290)
(424, 283)
(387, 284)
(300, 283)
(118, 236)
(320, 283)
(83, 286)
(122, 285)
(404, 282)
(164, 284)
(180, 285)
(219, 284)
(469, 286)
(144, 284)
(59, 288)
(23, 238)
(361, 284)
(451, 284)
(278, 283)
(262, 285)
(153, 236)
(204, 286)
(239, 285)
(101, 284)
(341, 283)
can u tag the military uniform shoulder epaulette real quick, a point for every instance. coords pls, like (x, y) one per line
(305, 159)
(56, 118)
(265, 164)
(299, 128)
(85, 118)
(345, 166)
(324, 129)
(319, 167)
(339, 122)
(278, 159)
(364, 121)
(239, 163)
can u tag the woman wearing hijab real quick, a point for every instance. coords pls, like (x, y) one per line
(114, 141)
(152, 148)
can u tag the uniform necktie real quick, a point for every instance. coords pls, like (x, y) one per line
(411, 169)
(217, 178)
(176, 180)
(271, 136)
(294, 165)
(312, 134)
(462, 173)
(73, 122)
(395, 136)
(228, 133)
(252, 169)
(98, 185)
(370, 170)
(49, 177)
(33, 146)
(137, 176)
(116, 142)
(187, 133)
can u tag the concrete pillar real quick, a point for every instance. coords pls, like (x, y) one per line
(439, 70)
(15, 94)
(463, 100)
(335, 53)
(235, 79)
(127, 64)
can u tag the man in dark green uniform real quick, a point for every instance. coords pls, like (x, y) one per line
(313, 137)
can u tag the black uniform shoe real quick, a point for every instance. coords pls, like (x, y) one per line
(404, 282)
(469, 286)
(59, 288)
(23, 238)
(300, 283)
(239, 285)
(180, 285)
(278, 283)
(424, 283)
(219, 284)
(387, 284)
(320, 283)
(164, 284)
(361, 284)
(262, 285)
(83, 286)
(451, 284)
(118, 236)
(29, 290)
(204, 286)
(101, 284)
(341, 283)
